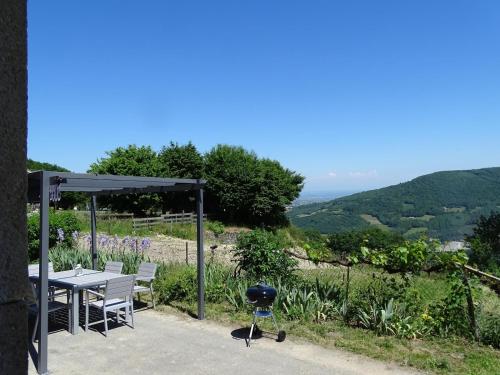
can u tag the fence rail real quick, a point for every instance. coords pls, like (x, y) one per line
(182, 218)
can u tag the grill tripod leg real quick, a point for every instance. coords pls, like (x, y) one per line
(275, 324)
(251, 330)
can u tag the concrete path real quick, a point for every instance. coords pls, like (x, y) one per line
(168, 344)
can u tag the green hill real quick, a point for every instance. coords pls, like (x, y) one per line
(444, 205)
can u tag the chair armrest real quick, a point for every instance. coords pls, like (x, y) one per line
(94, 293)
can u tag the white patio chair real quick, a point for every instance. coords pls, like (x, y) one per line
(113, 267)
(117, 295)
(145, 275)
(33, 269)
(52, 307)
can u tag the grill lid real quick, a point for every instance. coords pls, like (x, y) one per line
(261, 295)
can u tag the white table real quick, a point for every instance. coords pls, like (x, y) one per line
(74, 284)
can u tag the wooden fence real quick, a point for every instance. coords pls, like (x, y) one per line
(148, 222)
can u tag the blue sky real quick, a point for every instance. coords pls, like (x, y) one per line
(352, 94)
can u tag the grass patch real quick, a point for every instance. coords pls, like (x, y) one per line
(373, 220)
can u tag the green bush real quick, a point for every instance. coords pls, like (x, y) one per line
(260, 254)
(66, 222)
(175, 283)
(216, 227)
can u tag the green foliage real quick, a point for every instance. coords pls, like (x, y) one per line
(308, 301)
(489, 326)
(347, 243)
(241, 188)
(216, 227)
(185, 231)
(260, 254)
(58, 220)
(245, 189)
(408, 257)
(130, 161)
(449, 316)
(178, 161)
(175, 284)
(443, 205)
(485, 243)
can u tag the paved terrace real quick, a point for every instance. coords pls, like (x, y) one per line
(168, 344)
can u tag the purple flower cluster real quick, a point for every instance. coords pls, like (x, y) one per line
(145, 244)
(60, 235)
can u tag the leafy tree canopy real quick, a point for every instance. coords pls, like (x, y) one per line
(130, 161)
(180, 161)
(243, 188)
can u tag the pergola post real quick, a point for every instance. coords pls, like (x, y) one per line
(93, 230)
(43, 285)
(200, 254)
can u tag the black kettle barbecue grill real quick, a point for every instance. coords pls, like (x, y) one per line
(262, 296)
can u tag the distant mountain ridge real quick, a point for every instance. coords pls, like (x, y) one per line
(444, 205)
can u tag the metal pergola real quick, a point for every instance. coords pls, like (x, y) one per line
(42, 185)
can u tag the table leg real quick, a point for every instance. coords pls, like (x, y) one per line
(75, 311)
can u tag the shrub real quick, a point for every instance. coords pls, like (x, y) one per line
(260, 254)
(62, 224)
(450, 315)
(216, 227)
(175, 283)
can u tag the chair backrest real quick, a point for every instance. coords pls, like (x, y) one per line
(33, 269)
(119, 287)
(146, 270)
(113, 267)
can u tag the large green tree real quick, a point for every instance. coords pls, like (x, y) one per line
(179, 161)
(245, 189)
(130, 161)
